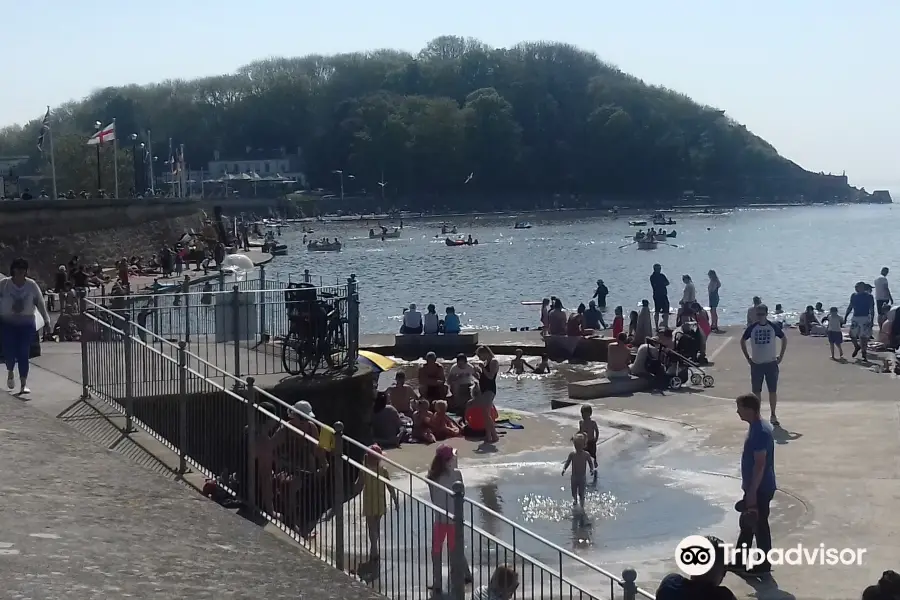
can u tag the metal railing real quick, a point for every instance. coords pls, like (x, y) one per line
(401, 533)
(245, 327)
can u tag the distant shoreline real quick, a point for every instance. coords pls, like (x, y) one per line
(686, 209)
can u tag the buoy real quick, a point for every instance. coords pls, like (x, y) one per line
(475, 417)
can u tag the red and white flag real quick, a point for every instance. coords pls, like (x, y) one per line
(107, 134)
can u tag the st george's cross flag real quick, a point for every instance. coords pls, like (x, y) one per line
(107, 134)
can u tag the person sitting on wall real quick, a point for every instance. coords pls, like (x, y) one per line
(432, 382)
(451, 322)
(619, 358)
(430, 321)
(412, 321)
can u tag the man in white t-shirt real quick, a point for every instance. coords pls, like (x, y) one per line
(412, 321)
(763, 357)
(882, 292)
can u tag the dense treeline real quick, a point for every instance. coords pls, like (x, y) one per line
(537, 118)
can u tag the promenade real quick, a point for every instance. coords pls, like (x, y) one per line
(836, 462)
(80, 521)
(835, 459)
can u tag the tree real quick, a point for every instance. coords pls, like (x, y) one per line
(535, 122)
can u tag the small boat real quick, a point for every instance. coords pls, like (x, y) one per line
(316, 246)
(274, 249)
(385, 234)
(450, 242)
(637, 223)
(647, 245)
(663, 221)
(445, 230)
(523, 225)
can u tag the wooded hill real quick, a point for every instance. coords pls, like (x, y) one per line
(534, 119)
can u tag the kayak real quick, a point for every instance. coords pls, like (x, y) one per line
(450, 242)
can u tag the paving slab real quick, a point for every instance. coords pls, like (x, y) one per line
(82, 522)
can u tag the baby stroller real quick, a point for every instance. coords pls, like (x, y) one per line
(686, 358)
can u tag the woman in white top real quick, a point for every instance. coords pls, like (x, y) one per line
(690, 292)
(19, 296)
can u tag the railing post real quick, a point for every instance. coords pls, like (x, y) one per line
(306, 277)
(236, 328)
(251, 490)
(262, 299)
(629, 587)
(85, 321)
(221, 281)
(182, 408)
(458, 554)
(129, 373)
(352, 321)
(337, 468)
(185, 289)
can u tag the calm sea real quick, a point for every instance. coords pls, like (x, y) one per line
(793, 256)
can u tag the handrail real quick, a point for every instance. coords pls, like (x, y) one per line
(279, 402)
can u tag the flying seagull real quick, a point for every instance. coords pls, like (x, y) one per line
(382, 183)
(469, 178)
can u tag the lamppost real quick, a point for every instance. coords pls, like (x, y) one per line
(341, 173)
(97, 126)
(142, 184)
(134, 165)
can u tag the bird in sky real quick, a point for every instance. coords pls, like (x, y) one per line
(469, 178)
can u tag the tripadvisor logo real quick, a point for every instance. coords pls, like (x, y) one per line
(695, 555)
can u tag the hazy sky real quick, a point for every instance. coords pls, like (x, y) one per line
(819, 79)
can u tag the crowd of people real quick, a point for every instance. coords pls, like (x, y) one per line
(430, 413)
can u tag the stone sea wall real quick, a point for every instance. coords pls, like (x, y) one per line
(48, 232)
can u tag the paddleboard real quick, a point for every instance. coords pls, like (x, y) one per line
(531, 302)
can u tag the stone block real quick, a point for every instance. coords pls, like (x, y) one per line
(602, 387)
(446, 346)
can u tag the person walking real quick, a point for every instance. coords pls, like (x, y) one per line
(757, 481)
(713, 289)
(762, 357)
(19, 296)
(660, 283)
(862, 305)
(444, 471)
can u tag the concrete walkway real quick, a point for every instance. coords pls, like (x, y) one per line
(82, 522)
(836, 461)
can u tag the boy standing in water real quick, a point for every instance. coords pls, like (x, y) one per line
(518, 364)
(588, 428)
(580, 460)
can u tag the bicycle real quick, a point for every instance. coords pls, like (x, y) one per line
(316, 334)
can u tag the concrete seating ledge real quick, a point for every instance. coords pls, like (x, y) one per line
(602, 387)
(439, 340)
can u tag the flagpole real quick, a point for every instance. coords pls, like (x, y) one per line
(181, 176)
(150, 162)
(171, 167)
(52, 161)
(116, 156)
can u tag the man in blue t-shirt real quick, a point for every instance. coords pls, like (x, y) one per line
(757, 479)
(763, 357)
(862, 305)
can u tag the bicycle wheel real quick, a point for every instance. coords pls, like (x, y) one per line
(334, 348)
(290, 353)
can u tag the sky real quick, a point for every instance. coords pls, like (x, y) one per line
(819, 79)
